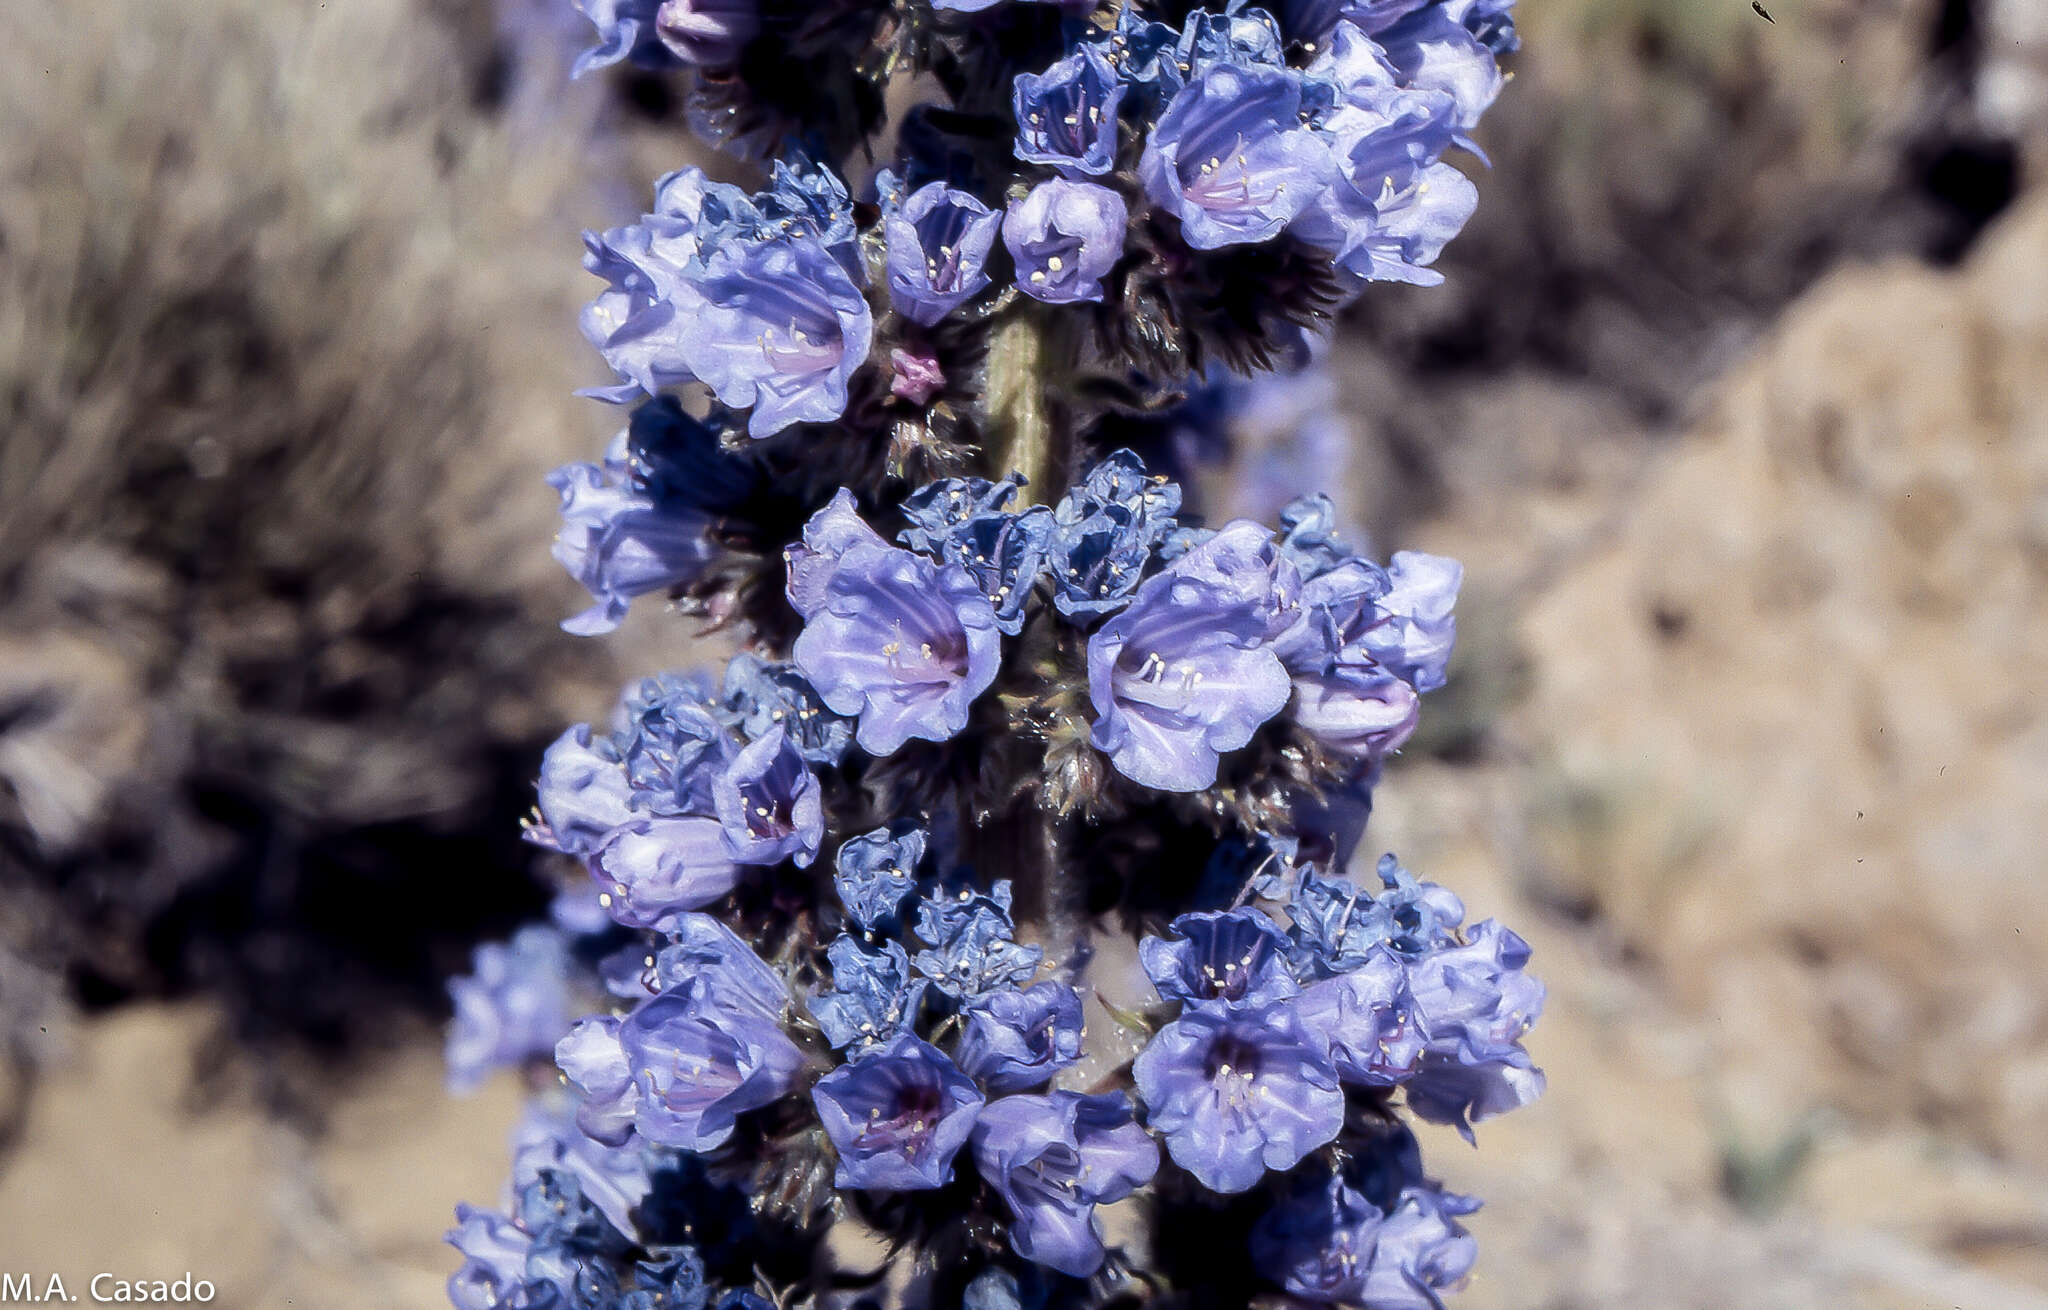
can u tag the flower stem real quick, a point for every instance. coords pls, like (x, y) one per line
(1027, 361)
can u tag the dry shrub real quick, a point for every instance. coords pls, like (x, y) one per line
(282, 337)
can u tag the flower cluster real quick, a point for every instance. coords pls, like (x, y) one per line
(911, 422)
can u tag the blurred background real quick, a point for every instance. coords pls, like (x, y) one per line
(1735, 406)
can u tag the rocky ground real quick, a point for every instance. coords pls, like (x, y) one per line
(1746, 733)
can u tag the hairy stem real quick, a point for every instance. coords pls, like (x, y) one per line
(1027, 363)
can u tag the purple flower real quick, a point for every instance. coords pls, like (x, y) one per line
(494, 1253)
(781, 328)
(915, 376)
(1330, 1242)
(707, 31)
(1067, 115)
(939, 241)
(1238, 957)
(769, 803)
(691, 1063)
(1418, 630)
(513, 1006)
(1238, 1092)
(1015, 1040)
(584, 793)
(873, 994)
(1104, 532)
(1065, 237)
(897, 1117)
(1189, 670)
(903, 644)
(1232, 159)
(874, 874)
(1053, 1159)
(625, 30)
(651, 870)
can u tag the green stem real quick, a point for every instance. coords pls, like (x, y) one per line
(1020, 421)
(1027, 361)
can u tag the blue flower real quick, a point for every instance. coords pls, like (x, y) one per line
(873, 994)
(1104, 532)
(511, 1007)
(650, 870)
(1352, 705)
(769, 803)
(781, 328)
(897, 1117)
(1238, 957)
(637, 323)
(1335, 924)
(681, 461)
(1232, 159)
(674, 746)
(584, 793)
(1367, 1020)
(1309, 22)
(1065, 237)
(1067, 115)
(1394, 205)
(1240, 37)
(961, 521)
(679, 1070)
(1474, 1002)
(1491, 21)
(619, 542)
(1371, 16)
(1417, 629)
(806, 199)
(546, 1139)
(761, 695)
(708, 32)
(1238, 1092)
(1309, 537)
(874, 874)
(1434, 51)
(1330, 1242)
(1015, 1040)
(938, 245)
(889, 637)
(625, 30)
(1189, 670)
(1142, 53)
(974, 947)
(1053, 1159)
(494, 1251)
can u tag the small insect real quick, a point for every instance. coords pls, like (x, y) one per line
(1762, 12)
